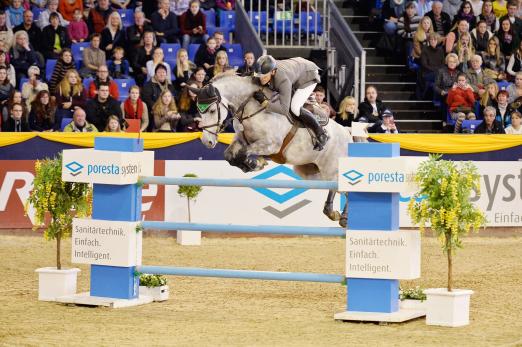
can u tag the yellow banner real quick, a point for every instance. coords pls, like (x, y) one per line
(7, 139)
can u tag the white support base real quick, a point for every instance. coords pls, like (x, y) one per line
(395, 317)
(188, 237)
(86, 300)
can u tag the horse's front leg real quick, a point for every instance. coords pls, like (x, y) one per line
(257, 150)
(344, 216)
(328, 209)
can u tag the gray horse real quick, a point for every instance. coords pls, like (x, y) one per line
(260, 134)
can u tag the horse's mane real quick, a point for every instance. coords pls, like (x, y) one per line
(224, 75)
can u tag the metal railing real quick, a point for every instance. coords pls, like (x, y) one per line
(245, 33)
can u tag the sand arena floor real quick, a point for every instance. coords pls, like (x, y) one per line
(205, 311)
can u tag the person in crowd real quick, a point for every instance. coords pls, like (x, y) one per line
(152, 89)
(493, 60)
(93, 57)
(22, 55)
(441, 20)
(99, 16)
(101, 107)
(135, 108)
(113, 125)
(460, 101)
(6, 88)
(462, 27)
(207, 5)
(29, 26)
(248, 64)
(464, 50)
(33, 86)
(507, 38)
(347, 111)
(476, 76)
(14, 98)
(69, 95)
(179, 6)
(408, 24)
(165, 23)
(503, 109)
(515, 90)
(423, 7)
(500, 8)
(371, 109)
(136, 31)
(516, 22)
(320, 97)
(165, 113)
(68, 8)
(143, 54)
(199, 77)
(188, 110)
(515, 62)
(387, 126)
(465, 12)
(16, 122)
(40, 4)
(64, 63)
(6, 34)
(193, 25)
(79, 123)
(432, 59)
(118, 66)
(43, 109)
(123, 4)
(44, 18)
(54, 38)
(487, 15)
(113, 35)
(514, 128)
(77, 29)
(16, 13)
(446, 76)
(206, 54)
(226, 5)
(148, 7)
(11, 72)
(220, 65)
(451, 7)
(102, 77)
(220, 41)
(420, 38)
(489, 125)
(480, 37)
(476, 5)
(489, 98)
(158, 58)
(183, 69)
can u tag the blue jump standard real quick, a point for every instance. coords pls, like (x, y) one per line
(373, 211)
(116, 203)
(245, 183)
(258, 229)
(244, 274)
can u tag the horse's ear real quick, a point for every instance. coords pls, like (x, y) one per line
(194, 90)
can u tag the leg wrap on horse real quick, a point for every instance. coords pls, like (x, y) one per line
(311, 123)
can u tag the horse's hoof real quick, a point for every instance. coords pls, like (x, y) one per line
(343, 222)
(333, 215)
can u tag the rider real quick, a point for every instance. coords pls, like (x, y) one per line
(283, 76)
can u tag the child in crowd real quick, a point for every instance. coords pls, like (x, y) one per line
(113, 125)
(77, 29)
(119, 66)
(515, 128)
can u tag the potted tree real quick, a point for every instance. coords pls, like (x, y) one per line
(189, 237)
(412, 299)
(55, 204)
(154, 286)
(444, 202)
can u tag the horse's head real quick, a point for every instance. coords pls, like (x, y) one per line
(213, 110)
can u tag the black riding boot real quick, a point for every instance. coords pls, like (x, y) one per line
(311, 123)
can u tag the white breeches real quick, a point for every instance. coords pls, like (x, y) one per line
(300, 97)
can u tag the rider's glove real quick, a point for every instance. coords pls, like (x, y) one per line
(260, 97)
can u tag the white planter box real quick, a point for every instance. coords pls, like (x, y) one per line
(409, 304)
(53, 283)
(188, 237)
(449, 309)
(156, 293)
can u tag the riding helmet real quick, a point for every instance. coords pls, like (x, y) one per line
(265, 64)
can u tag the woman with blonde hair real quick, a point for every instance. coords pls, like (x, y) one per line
(221, 65)
(489, 98)
(465, 50)
(69, 95)
(421, 36)
(493, 60)
(165, 113)
(112, 35)
(347, 111)
(183, 69)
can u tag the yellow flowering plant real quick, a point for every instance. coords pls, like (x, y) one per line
(443, 202)
(59, 200)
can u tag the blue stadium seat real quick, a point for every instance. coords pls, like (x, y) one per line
(225, 31)
(235, 54)
(227, 19)
(49, 67)
(65, 121)
(87, 82)
(503, 85)
(77, 50)
(193, 48)
(284, 22)
(127, 17)
(259, 21)
(123, 87)
(36, 12)
(22, 81)
(470, 125)
(211, 18)
(170, 50)
(308, 22)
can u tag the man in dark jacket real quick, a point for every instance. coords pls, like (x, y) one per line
(516, 23)
(441, 20)
(16, 123)
(100, 108)
(371, 109)
(152, 89)
(193, 25)
(489, 125)
(135, 32)
(54, 38)
(31, 28)
(98, 16)
(165, 23)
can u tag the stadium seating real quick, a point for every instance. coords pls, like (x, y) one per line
(193, 48)
(284, 22)
(503, 85)
(127, 17)
(77, 50)
(310, 22)
(22, 81)
(170, 50)
(235, 54)
(65, 121)
(49, 68)
(123, 87)
(211, 18)
(87, 82)
(259, 21)
(470, 125)
(227, 20)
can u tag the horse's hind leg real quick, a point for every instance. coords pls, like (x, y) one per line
(328, 209)
(344, 216)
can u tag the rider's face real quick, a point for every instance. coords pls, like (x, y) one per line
(264, 79)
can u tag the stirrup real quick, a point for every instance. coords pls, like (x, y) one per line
(320, 142)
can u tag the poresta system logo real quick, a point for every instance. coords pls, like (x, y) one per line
(354, 177)
(76, 168)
